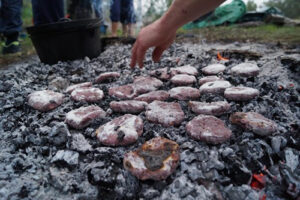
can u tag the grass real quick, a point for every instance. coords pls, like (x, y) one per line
(262, 34)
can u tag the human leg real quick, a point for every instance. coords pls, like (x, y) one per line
(98, 8)
(130, 31)
(11, 24)
(47, 11)
(115, 16)
(128, 17)
(124, 30)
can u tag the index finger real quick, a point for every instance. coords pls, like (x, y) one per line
(133, 56)
(140, 56)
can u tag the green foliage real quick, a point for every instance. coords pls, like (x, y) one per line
(27, 13)
(290, 8)
(169, 2)
(156, 9)
(251, 5)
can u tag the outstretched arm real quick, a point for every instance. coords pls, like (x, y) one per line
(162, 32)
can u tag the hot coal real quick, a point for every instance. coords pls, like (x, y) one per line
(80, 144)
(30, 138)
(59, 84)
(68, 158)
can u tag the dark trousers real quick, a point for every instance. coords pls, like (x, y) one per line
(122, 11)
(47, 11)
(10, 17)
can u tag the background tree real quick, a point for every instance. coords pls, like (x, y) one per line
(251, 5)
(290, 8)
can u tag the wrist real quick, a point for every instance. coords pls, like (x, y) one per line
(166, 25)
(174, 18)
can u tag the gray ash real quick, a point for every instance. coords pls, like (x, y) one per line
(42, 159)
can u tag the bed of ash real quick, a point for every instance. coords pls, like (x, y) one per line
(247, 166)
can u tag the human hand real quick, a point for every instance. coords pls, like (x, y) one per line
(153, 35)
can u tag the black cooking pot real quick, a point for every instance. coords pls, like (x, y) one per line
(66, 40)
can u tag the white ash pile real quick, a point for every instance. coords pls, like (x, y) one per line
(190, 127)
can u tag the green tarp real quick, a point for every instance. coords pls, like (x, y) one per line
(228, 13)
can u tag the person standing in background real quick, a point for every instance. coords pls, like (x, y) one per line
(122, 11)
(10, 24)
(97, 4)
(47, 11)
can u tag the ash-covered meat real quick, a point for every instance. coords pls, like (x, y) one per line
(107, 76)
(123, 92)
(162, 73)
(215, 87)
(245, 69)
(140, 85)
(144, 84)
(91, 95)
(183, 79)
(187, 69)
(213, 108)
(159, 95)
(208, 129)
(213, 69)
(129, 106)
(208, 79)
(165, 113)
(157, 159)
(254, 122)
(184, 93)
(71, 88)
(82, 117)
(241, 93)
(45, 100)
(120, 131)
